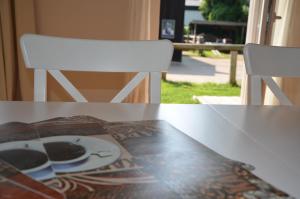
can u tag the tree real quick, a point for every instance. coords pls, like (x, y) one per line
(225, 10)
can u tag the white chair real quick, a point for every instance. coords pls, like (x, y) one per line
(265, 62)
(54, 54)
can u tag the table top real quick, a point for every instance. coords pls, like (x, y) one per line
(265, 137)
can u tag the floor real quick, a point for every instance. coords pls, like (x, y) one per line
(232, 100)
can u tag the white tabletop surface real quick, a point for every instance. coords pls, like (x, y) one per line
(266, 137)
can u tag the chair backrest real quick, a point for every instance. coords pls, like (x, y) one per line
(54, 54)
(263, 63)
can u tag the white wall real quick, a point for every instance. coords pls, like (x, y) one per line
(192, 2)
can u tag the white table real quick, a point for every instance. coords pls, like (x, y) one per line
(266, 137)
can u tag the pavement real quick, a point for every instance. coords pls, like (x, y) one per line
(203, 69)
(232, 100)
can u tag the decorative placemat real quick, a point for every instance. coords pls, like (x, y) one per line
(14, 184)
(156, 161)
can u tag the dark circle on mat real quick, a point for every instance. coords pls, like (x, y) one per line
(24, 159)
(64, 151)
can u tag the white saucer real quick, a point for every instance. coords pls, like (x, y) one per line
(101, 153)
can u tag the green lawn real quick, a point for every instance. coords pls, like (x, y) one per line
(182, 92)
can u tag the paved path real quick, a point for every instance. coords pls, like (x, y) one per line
(202, 69)
(233, 100)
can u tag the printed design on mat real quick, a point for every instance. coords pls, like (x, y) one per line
(122, 171)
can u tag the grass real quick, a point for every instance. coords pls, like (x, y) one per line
(206, 53)
(183, 92)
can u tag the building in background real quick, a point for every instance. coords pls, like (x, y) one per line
(218, 31)
(200, 30)
(191, 11)
(172, 23)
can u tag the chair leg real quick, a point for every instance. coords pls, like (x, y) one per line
(40, 85)
(155, 92)
(254, 90)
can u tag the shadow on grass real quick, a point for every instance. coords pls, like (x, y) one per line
(178, 84)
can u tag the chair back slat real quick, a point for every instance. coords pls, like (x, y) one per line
(55, 54)
(67, 85)
(129, 87)
(282, 98)
(264, 62)
(272, 61)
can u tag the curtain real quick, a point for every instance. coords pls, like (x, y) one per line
(16, 18)
(286, 33)
(144, 25)
(93, 19)
(7, 52)
(253, 36)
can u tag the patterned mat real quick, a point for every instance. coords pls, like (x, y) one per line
(157, 161)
